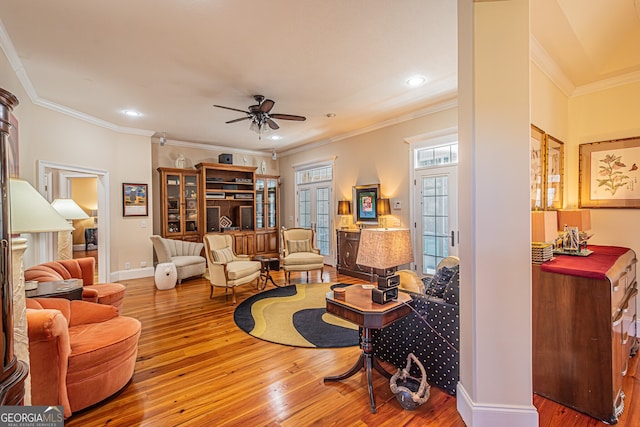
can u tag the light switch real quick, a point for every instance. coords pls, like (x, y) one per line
(397, 204)
(143, 224)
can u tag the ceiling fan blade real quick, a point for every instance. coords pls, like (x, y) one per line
(266, 105)
(288, 117)
(273, 125)
(238, 120)
(229, 108)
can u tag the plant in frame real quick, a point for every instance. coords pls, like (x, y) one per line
(612, 171)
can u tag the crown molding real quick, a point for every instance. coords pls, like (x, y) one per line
(207, 147)
(607, 83)
(550, 68)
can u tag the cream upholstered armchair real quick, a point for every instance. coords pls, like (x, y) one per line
(226, 269)
(299, 253)
(185, 255)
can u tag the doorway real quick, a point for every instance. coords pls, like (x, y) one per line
(56, 180)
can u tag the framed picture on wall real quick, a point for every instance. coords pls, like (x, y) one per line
(365, 198)
(547, 170)
(134, 200)
(609, 174)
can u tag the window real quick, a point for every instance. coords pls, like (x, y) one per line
(437, 156)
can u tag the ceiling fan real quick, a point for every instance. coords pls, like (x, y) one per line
(261, 116)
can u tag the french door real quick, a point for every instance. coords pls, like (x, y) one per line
(315, 207)
(436, 216)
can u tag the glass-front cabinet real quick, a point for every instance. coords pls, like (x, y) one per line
(267, 214)
(179, 199)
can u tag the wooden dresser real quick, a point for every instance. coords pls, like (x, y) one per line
(348, 242)
(584, 329)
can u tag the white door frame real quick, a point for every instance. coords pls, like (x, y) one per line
(44, 172)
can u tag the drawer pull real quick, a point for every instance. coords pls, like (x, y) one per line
(625, 337)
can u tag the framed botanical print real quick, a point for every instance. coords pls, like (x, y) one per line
(609, 174)
(547, 170)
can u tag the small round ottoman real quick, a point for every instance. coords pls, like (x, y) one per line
(166, 275)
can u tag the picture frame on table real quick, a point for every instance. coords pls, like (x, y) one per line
(365, 198)
(609, 174)
(135, 200)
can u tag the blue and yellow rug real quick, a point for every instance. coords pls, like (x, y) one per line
(295, 315)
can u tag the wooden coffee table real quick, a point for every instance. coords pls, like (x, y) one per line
(357, 307)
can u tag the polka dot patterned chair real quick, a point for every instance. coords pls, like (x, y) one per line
(431, 332)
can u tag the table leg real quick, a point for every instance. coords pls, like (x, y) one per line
(366, 361)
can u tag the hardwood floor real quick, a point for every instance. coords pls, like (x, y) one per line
(196, 368)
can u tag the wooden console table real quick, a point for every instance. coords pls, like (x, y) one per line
(357, 307)
(584, 329)
(348, 242)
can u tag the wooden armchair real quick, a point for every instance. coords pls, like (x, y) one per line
(299, 253)
(226, 269)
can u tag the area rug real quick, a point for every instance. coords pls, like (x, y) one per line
(295, 315)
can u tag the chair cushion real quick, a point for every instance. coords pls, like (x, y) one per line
(239, 269)
(223, 255)
(294, 246)
(182, 261)
(436, 285)
(303, 258)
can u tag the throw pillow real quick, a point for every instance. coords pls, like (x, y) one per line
(451, 293)
(223, 255)
(438, 283)
(299, 246)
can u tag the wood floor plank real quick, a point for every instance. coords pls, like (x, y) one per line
(195, 367)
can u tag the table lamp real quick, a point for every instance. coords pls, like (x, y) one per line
(544, 226)
(344, 209)
(70, 211)
(384, 209)
(385, 249)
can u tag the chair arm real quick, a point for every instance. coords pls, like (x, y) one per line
(218, 273)
(89, 294)
(84, 312)
(49, 348)
(242, 257)
(315, 251)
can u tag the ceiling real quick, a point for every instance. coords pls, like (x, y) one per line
(172, 60)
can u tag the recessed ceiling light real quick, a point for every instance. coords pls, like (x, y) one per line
(132, 113)
(416, 81)
(275, 137)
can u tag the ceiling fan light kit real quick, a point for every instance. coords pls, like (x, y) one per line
(261, 116)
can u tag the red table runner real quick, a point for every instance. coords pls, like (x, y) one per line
(594, 266)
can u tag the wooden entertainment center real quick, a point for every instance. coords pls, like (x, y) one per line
(221, 198)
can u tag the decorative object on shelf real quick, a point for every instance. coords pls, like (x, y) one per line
(541, 252)
(344, 209)
(180, 161)
(385, 249)
(225, 222)
(609, 174)
(366, 204)
(134, 200)
(573, 239)
(263, 167)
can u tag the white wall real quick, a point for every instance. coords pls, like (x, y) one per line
(59, 138)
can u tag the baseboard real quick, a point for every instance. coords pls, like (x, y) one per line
(483, 415)
(134, 273)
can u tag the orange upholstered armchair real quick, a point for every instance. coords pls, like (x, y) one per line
(79, 352)
(80, 268)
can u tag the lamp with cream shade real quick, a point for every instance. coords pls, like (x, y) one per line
(69, 211)
(31, 212)
(344, 209)
(385, 249)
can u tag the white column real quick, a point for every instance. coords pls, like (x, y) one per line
(495, 387)
(20, 331)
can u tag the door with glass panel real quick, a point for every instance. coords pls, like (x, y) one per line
(435, 194)
(315, 207)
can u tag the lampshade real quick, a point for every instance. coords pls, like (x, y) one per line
(31, 213)
(544, 226)
(384, 248)
(344, 207)
(69, 209)
(580, 218)
(384, 207)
